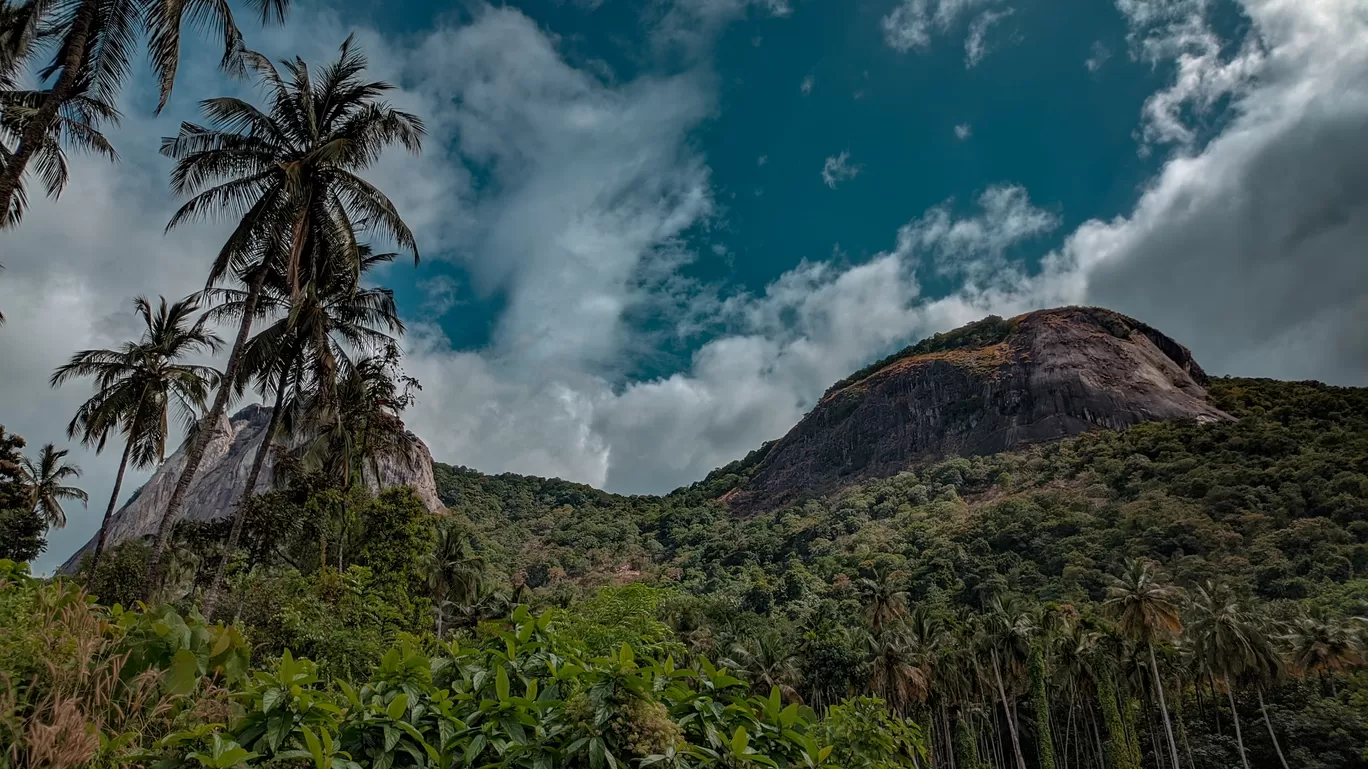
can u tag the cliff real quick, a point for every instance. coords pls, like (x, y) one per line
(222, 478)
(991, 386)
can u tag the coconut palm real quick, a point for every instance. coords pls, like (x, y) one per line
(45, 483)
(894, 670)
(289, 175)
(1006, 632)
(455, 574)
(1226, 645)
(884, 599)
(1319, 644)
(94, 43)
(313, 336)
(137, 388)
(1148, 612)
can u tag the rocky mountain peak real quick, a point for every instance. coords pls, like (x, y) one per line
(993, 385)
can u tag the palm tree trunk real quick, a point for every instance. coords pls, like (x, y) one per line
(1234, 714)
(37, 128)
(209, 426)
(1269, 723)
(1163, 707)
(109, 511)
(240, 515)
(1011, 722)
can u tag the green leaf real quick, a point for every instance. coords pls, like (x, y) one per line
(596, 752)
(625, 655)
(397, 707)
(739, 741)
(501, 684)
(272, 697)
(183, 674)
(475, 748)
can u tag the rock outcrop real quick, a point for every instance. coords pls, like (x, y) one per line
(991, 386)
(222, 477)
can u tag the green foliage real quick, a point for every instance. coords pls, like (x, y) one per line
(22, 531)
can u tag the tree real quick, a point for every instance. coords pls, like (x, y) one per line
(21, 530)
(1224, 645)
(45, 483)
(1147, 612)
(1319, 644)
(303, 351)
(138, 387)
(289, 174)
(884, 599)
(455, 574)
(94, 42)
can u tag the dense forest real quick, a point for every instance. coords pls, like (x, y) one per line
(1174, 595)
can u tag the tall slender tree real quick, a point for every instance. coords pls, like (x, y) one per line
(455, 574)
(1148, 612)
(1224, 645)
(45, 480)
(139, 387)
(288, 173)
(299, 356)
(95, 42)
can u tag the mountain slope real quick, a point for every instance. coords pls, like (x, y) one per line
(988, 387)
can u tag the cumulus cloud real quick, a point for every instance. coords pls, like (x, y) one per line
(837, 169)
(911, 24)
(1098, 57)
(963, 131)
(806, 86)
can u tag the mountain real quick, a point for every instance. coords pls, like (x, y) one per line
(991, 386)
(223, 476)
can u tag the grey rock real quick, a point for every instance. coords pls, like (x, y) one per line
(1037, 377)
(222, 477)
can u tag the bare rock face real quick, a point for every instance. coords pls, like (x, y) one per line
(991, 386)
(222, 477)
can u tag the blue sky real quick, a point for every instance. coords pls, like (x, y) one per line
(654, 231)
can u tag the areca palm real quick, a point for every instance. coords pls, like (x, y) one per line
(94, 43)
(288, 173)
(313, 337)
(45, 481)
(1149, 612)
(138, 386)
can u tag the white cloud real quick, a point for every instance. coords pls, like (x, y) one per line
(963, 131)
(439, 295)
(976, 44)
(762, 160)
(1179, 32)
(806, 86)
(912, 23)
(837, 169)
(1098, 56)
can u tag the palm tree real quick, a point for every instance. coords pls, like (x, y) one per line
(45, 482)
(894, 672)
(1148, 612)
(1225, 645)
(310, 340)
(455, 573)
(94, 43)
(1007, 632)
(138, 385)
(1319, 644)
(768, 662)
(289, 175)
(884, 600)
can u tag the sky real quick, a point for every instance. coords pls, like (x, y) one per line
(652, 232)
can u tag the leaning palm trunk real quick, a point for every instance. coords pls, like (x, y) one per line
(200, 441)
(240, 514)
(1011, 722)
(1163, 707)
(1235, 715)
(1269, 723)
(37, 128)
(109, 511)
